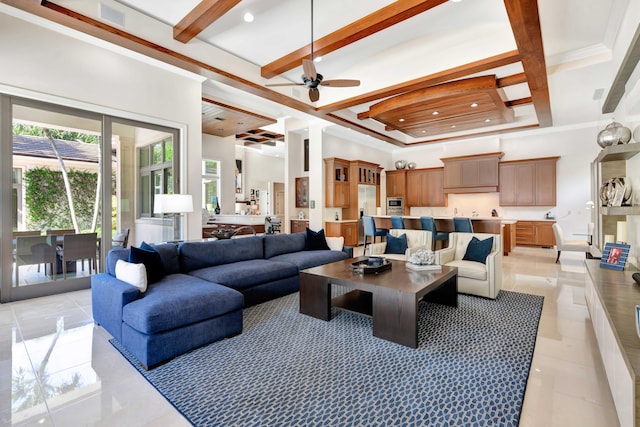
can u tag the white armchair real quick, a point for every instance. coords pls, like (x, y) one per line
(474, 277)
(415, 239)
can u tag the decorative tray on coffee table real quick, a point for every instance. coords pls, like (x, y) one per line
(371, 265)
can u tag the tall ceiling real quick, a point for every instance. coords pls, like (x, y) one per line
(430, 70)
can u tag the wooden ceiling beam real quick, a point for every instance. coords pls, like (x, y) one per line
(521, 101)
(525, 24)
(203, 15)
(511, 80)
(426, 81)
(377, 21)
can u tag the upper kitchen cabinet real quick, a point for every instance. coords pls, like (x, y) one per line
(396, 183)
(365, 172)
(336, 182)
(530, 182)
(471, 174)
(425, 188)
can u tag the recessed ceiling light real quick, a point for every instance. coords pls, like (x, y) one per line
(424, 131)
(317, 59)
(435, 113)
(453, 126)
(487, 120)
(248, 17)
(474, 105)
(401, 120)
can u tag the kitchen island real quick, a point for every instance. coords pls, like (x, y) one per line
(491, 225)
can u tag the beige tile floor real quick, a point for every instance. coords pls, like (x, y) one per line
(66, 373)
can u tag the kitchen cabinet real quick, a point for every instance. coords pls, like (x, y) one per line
(336, 182)
(366, 172)
(508, 237)
(425, 187)
(302, 192)
(530, 182)
(471, 174)
(535, 233)
(397, 183)
(346, 229)
(299, 225)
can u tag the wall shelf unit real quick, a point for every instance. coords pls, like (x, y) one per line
(611, 162)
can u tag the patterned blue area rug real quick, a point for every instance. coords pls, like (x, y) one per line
(289, 369)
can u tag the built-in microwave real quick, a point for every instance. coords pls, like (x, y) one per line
(395, 206)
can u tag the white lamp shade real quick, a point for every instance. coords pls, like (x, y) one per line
(172, 203)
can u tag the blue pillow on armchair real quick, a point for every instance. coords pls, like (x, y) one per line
(396, 245)
(147, 255)
(478, 250)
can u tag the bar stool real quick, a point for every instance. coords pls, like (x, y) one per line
(428, 223)
(397, 222)
(371, 230)
(462, 225)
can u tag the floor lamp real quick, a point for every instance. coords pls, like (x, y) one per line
(173, 206)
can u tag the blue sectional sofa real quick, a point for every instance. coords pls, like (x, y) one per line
(200, 297)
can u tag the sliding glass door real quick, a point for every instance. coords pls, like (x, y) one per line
(74, 184)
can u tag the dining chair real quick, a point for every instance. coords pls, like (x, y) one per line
(569, 245)
(371, 230)
(397, 222)
(60, 232)
(78, 247)
(36, 250)
(120, 240)
(462, 225)
(428, 223)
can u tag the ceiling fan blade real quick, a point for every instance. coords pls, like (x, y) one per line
(341, 83)
(284, 84)
(309, 69)
(314, 94)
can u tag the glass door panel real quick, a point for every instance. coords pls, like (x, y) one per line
(56, 180)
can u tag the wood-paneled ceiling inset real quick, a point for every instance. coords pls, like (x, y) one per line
(224, 120)
(260, 136)
(449, 107)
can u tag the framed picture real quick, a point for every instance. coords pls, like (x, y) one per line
(614, 256)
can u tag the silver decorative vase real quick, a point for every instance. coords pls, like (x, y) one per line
(401, 164)
(614, 133)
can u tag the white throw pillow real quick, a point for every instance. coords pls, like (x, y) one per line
(133, 274)
(335, 243)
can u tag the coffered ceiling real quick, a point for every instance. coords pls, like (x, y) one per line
(430, 70)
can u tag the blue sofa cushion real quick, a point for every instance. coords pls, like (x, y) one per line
(197, 255)
(151, 259)
(168, 252)
(246, 274)
(308, 259)
(316, 240)
(277, 244)
(178, 300)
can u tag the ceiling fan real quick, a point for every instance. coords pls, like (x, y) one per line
(311, 79)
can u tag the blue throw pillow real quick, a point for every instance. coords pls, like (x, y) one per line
(316, 241)
(147, 255)
(396, 245)
(478, 250)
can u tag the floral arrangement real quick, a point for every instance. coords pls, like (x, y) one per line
(422, 257)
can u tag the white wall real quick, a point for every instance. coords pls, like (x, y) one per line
(224, 150)
(43, 64)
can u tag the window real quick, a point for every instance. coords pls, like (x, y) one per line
(211, 184)
(156, 173)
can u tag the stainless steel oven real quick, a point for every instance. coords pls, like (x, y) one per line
(395, 206)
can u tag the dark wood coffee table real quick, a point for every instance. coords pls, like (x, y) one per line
(390, 297)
